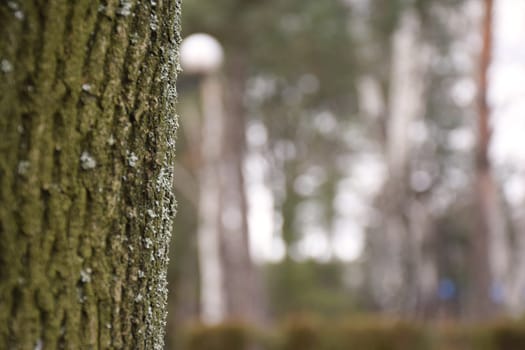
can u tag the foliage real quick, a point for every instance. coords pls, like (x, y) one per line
(506, 335)
(308, 286)
(303, 332)
(379, 334)
(231, 336)
(337, 43)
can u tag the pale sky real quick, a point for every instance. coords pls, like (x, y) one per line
(507, 96)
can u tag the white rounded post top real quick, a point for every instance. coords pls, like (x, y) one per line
(201, 54)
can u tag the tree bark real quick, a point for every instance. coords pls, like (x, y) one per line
(488, 260)
(87, 127)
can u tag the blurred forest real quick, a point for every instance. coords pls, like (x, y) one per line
(351, 157)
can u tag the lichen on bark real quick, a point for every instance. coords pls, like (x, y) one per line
(84, 228)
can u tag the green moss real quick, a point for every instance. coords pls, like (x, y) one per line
(67, 248)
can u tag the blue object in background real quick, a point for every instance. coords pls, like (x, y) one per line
(497, 294)
(446, 289)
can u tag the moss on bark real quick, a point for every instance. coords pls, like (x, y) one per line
(87, 128)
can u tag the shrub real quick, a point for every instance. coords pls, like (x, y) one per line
(507, 335)
(502, 335)
(364, 333)
(301, 333)
(454, 336)
(378, 334)
(227, 336)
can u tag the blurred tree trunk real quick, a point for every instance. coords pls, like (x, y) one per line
(184, 287)
(489, 253)
(403, 274)
(184, 304)
(87, 129)
(242, 280)
(231, 286)
(514, 302)
(213, 297)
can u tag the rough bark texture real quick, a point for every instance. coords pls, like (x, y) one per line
(87, 127)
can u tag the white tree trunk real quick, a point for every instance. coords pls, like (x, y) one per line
(213, 306)
(402, 274)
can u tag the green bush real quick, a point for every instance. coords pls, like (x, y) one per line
(507, 335)
(453, 336)
(364, 333)
(301, 333)
(227, 336)
(378, 334)
(502, 335)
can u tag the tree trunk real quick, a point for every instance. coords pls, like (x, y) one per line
(403, 275)
(230, 284)
(87, 129)
(242, 281)
(488, 260)
(213, 298)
